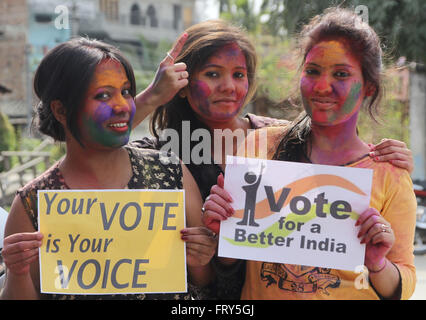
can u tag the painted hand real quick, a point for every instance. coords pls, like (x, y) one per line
(378, 236)
(394, 151)
(217, 206)
(20, 250)
(201, 244)
(170, 76)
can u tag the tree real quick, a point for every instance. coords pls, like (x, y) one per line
(400, 23)
(7, 135)
(290, 15)
(242, 13)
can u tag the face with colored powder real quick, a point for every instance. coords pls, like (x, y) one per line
(332, 84)
(217, 90)
(107, 114)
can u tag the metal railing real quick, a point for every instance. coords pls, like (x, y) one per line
(27, 168)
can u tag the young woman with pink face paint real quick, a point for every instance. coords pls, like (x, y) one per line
(341, 74)
(86, 90)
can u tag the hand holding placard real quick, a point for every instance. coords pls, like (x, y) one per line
(303, 214)
(110, 241)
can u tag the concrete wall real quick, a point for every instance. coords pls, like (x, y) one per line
(418, 121)
(13, 66)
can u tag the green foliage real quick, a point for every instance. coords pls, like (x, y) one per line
(290, 15)
(154, 52)
(242, 13)
(277, 68)
(7, 135)
(143, 79)
(393, 119)
(57, 151)
(400, 23)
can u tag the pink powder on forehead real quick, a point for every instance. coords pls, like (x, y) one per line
(230, 51)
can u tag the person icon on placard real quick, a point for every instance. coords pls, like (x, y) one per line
(251, 192)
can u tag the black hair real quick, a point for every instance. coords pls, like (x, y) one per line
(365, 44)
(64, 74)
(204, 39)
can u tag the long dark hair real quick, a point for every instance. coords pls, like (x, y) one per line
(64, 74)
(204, 39)
(365, 45)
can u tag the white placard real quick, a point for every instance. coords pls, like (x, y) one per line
(295, 213)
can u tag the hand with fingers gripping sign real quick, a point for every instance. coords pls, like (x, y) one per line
(374, 231)
(201, 244)
(169, 79)
(378, 236)
(20, 250)
(217, 206)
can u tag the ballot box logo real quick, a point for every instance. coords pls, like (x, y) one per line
(293, 205)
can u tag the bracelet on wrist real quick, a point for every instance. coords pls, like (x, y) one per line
(377, 271)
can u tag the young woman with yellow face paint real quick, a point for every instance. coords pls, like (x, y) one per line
(341, 73)
(86, 91)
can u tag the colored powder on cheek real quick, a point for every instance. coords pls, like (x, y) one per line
(102, 113)
(352, 98)
(132, 113)
(241, 96)
(200, 92)
(98, 133)
(104, 137)
(350, 102)
(306, 89)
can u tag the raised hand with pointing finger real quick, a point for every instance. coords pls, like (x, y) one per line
(169, 79)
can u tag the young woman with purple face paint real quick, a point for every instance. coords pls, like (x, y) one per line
(108, 115)
(341, 73)
(86, 91)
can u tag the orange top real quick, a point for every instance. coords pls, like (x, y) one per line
(392, 195)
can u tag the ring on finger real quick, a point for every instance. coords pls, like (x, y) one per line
(212, 234)
(203, 210)
(170, 56)
(384, 228)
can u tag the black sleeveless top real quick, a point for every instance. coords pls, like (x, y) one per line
(151, 170)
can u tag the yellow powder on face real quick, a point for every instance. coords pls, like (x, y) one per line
(330, 51)
(109, 73)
